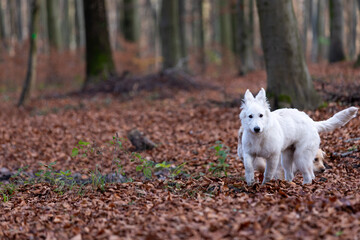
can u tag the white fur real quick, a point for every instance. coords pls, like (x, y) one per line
(286, 134)
(259, 163)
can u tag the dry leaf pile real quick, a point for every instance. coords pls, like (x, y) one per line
(192, 205)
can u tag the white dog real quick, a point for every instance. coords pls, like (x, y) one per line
(286, 133)
(259, 163)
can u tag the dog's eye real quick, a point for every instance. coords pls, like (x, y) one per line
(261, 115)
(316, 159)
(250, 116)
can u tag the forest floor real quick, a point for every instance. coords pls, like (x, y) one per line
(73, 174)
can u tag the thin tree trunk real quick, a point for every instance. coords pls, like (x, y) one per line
(43, 30)
(129, 19)
(353, 26)
(169, 34)
(288, 80)
(53, 21)
(245, 36)
(154, 30)
(68, 25)
(357, 63)
(32, 60)
(72, 17)
(2, 24)
(6, 28)
(215, 23)
(202, 60)
(19, 20)
(80, 25)
(225, 24)
(306, 12)
(323, 41)
(13, 20)
(250, 62)
(182, 32)
(198, 32)
(99, 61)
(314, 28)
(336, 50)
(65, 25)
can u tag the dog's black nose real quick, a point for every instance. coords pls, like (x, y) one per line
(256, 129)
(322, 170)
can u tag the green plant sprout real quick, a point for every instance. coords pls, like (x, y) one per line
(221, 151)
(174, 171)
(145, 165)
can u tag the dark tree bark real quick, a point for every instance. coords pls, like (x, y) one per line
(32, 60)
(198, 32)
(225, 24)
(3, 26)
(68, 29)
(245, 36)
(99, 61)
(129, 19)
(306, 13)
(19, 26)
(79, 22)
(357, 63)
(182, 33)
(169, 33)
(336, 51)
(353, 27)
(53, 22)
(288, 81)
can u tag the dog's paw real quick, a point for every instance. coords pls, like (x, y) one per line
(250, 182)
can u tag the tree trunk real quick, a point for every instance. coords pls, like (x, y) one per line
(3, 26)
(245, 36)
(323, 41)
(68, 26)
(182, 32)
(79, 22)
(169, 33)
(306, 13)
(19, 20)
(129, 19)
(336, 50)
(288, 81)
(353, 25)
(53, 21)
(225, 25)
(154, 30)
(215, 23)
(314, 29)
(32, 60)
(198, 32)
(357, 63)
(99, 61)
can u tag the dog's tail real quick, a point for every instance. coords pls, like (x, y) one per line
(336, 121)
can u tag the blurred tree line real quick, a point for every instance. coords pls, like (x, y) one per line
(191, 36)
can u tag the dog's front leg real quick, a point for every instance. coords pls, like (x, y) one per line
(249, 169)
(271, 167)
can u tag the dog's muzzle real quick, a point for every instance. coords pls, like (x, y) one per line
(256, 129)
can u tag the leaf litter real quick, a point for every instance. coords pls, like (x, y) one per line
(193, 204)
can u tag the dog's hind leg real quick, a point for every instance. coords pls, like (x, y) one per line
(271, 167)
(287, 162)
(303, 161)
(249, 169)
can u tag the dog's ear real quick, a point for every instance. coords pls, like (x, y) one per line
(323, 154)
(261, 97)
(248, 96)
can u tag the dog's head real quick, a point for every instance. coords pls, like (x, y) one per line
(255, 111)
(319, 166)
